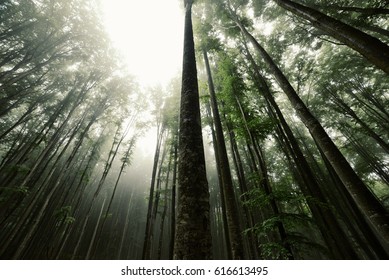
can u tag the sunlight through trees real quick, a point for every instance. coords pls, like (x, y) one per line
(271, 142)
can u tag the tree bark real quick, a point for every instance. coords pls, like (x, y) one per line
(359, 10)
(370, 47)
(375, 213)
(226, 232)
(193, 232)
(146, 254)
(226, 178)
(173, 196)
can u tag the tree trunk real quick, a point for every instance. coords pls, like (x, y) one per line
(146, 254)
(173, 198)
(370, 47)
(333, 234)
(165, 204)
(359, 10)
(348, 111)
(222, 200)
(375, 213)
(193, 232)
(226, 179)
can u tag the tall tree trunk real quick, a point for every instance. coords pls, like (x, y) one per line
(375, 213)
(332, 232)
(173, 197)
(125, 162)
(261, 169)
(193, 231)
(239, 169)
(364, 11)
(226, 178)
(77, 196)
(165, 204)
(125, 229)
(370, 47)
(349, 111)
(156, 205)
(146, 253)
(222, 200)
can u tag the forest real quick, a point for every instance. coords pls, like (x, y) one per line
(273, 142)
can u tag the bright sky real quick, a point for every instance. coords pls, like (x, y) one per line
(149, 35)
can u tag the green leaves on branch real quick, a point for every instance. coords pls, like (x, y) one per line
(64, 215)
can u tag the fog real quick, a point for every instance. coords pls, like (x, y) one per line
(108, 115)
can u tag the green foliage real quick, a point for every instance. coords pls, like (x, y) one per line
(21, 189)
(63, 215)
(69, 220)
(228, 77)
(273, 251)
(18, 168)
(206, 36)
(292, 222)
(107, 216)
(260, 126)
(18, 190)
(63, 92)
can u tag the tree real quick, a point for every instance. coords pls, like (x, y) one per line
(370, 47)
(193, 233)
(60, 85)
(225, 173)
(298, 119)
(374, 212)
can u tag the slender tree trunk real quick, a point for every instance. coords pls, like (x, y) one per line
(193, 232)
(173, 198)
(125, 162)
(125, 229)
(370, 47)
(86, 216)
(376, 29)
(364, 11)
(348, 111)
(261, 169)
(362, 234)
(376, 164)
(332, 232)
(80, 189)
(146, 254)
(222, 200)
(375, 213)
(252, 239)
(226, 178)
(165, 205)
(156, 205)
(96, 227)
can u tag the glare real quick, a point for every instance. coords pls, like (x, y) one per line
(148, 35)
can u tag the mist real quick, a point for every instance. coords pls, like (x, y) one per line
(193, 130)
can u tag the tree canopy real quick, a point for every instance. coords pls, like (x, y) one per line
(273, 143)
